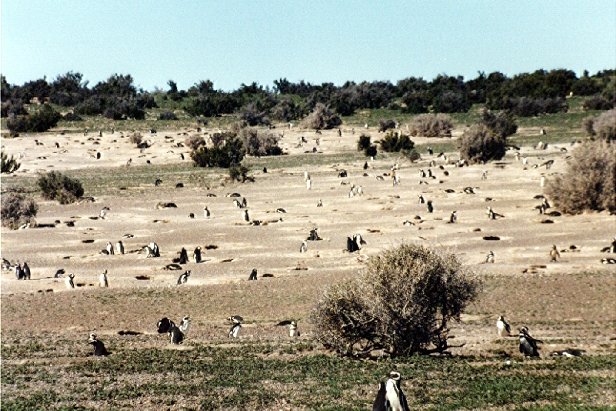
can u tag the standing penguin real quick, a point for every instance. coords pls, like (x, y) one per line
(490, 258)
(504, 329)
(304, 247)
(120, 247)
(69, 281)
(206, 212)
(175, 335)
(246, 216)
(109, 249)
(185, 324)
(236, 325)
(253, 275)
(102, 281)
(26, 271)
(528, 345)
(390, 396)
(197, 255)
(429, 206)
(183, 256)
(19, 273)
(554, 254)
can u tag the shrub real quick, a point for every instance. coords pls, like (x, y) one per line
(597, 103)
(17, 125)
(194, 142)
(587, 125)
(38, 121)
(411, 155)
(528, 107)
(605, 126)
(392, 142)
(17, 210)
(258, 143)
(251, 115)
(71, 117)
(431, 125)
(363, 142)
(285, 110)
(91, 107)
(239, 173)
(480, 144)
(321, 118)
(227, 154)
(385, 125)
(401, 303)
(588, 182)
(136, 138)
(9, 165)
(502, 123)
(56, 186)
(371, 151)
(13, 108)
(167, 115)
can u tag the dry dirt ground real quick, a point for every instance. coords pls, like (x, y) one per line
(565, 303)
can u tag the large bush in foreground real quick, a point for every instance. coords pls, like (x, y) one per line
(57, 186)
(17, 210)
(401, 303)
(589, 182)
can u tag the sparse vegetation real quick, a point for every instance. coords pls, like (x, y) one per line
(321, 118)
(57, 186)
(194, 141)
(385, 125)
(402, 304)
(431, 125)
(589, 181)
(17, 210)
(239, 173)
(167, 115)
(602, 127)
(259, 143)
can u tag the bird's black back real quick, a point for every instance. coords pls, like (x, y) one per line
(99, 348)
(380, 401)
(164, 325)
(176, 335)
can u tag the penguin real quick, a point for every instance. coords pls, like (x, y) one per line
(183, 256)
(351, 245)
(197, 255)
(110, 248)
(175, 335)
(206, 212)
(246, 216)
(185, 324)
(184, 278)
(120, 247)
(554, 254)
(59, 273)
(292, 327)
(314, 235)
(429, 206)
(320, 203)
(304, 247)
(103, 212)
(102, 281)
(504, 329)
(164, 325)
(422, 200)
(236, 325)
(490, 258)
(99, 347)
(253, 275)
(237, 203)
(155, 249)
(569, 352)
(69, 281)
(390, 396)
(19, 273)
(244, 202)
(453, 217)
(528, 345)
(308, 184)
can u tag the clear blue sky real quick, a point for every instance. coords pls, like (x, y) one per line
(233, 42)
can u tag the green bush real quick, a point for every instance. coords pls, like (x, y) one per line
(17, 210)
(321, 118)
(589, 180)
(9, 165)
(363, 142)
(402, 303)
(502, 123)
(226, 154)
(194, 142)
(38, 121)
(480, 144)
(56, 186)
(167, 115)
(393, 143)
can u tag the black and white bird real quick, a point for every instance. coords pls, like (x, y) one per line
(320, 203)
(490, 258)
(99, 347)
(103, 212)
(236, 324)
(197, 255)
(184, 278)
(69, 281)
(244, 202)
(102, 280)
(120, 247)
(390, 396)
(314, 235)
(206, 212)
(554, 254)
(453, 217)
(569, 352)
(19, 272)
(292, 327)
(504, 329)
(304, 247)
(253, 275)
(246, 216)
(429, 206)
(164, 325)
(185, 324)
(175, 335)
(355, 243)
(59, 273)
(183, 256)
(528, 345)
(110, 248)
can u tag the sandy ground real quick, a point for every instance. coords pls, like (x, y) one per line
(522, 251)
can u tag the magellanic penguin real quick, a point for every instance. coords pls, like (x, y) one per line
(206, 212)
(26, 271)
(120, 247)
(99, 347)
(184, 278)
(185, 324)
(504, 329)
(292, 327)
(569, 352)
(102, 280)
(390, 396)
(69, 281)
(110, 248)
(236, 325)
(197, 255)
(554, 254)
(164, 325)
(429, 206)
(528, 345)
(304, 247)
(253, 275)
(490, 258)
(175, 335)
(19, 272)
(183, 256)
